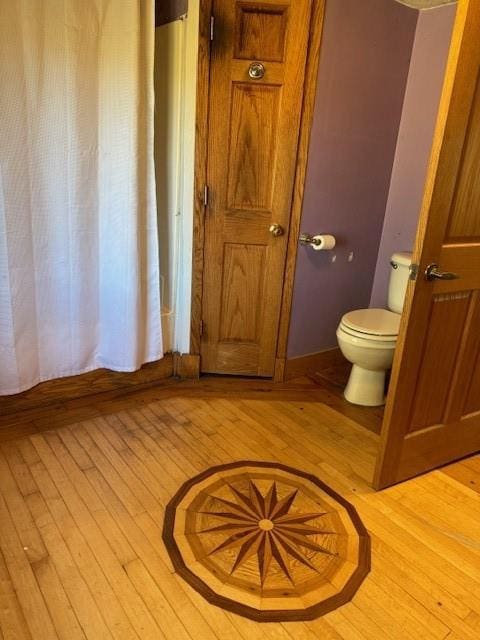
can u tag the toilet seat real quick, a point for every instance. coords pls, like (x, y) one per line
(365, 340)
(371, 324)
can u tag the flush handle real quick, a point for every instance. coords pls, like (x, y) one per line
(432, 273)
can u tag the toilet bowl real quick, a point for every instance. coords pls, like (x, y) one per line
(368, 337)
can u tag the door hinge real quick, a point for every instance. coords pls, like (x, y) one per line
(206, 194)
(202, 328)
(413, 271)
(212, 28)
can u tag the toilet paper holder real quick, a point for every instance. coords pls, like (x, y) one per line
(321, 242)
(308, 238)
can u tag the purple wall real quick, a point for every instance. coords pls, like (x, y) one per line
(415, 137)
(364, 65)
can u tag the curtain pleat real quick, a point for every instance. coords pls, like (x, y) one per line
(79, 265)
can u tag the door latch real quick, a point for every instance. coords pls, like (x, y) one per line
(432, 273)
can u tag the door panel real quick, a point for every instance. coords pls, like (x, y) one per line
(440, 360)
(252, 148)
(243, 269)
(472, 403)
(464, 219)
(433, 409)
(260, 31)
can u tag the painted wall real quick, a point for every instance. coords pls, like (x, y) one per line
(425, 80)
(364, 64)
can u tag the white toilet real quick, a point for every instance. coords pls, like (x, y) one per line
(367, 338)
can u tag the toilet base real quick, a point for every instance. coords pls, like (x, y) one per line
(366, 387)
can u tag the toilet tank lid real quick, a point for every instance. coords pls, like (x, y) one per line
(403, 257)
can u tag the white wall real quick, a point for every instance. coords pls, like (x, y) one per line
(176, 46)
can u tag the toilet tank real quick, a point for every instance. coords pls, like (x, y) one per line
(399, 275)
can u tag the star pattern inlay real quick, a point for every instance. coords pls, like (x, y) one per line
(265, 526)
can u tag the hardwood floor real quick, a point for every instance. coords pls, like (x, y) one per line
(333, 380)
(83, 489)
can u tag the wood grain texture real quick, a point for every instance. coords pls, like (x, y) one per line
(429, 418)
(467, 472)
(201, 154)
(260, 31)
(279, 370)
(440, 360)
(201, 148)
(312, 363)
(244, 268)
(186, 366)
(464, 220)
(252, 149)
(93, 493)
(266, 541)
(472, 402)
(332, 383)
(308, 107)
(250, 162)
(330, 371)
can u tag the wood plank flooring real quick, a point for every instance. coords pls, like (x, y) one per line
(84, 485)
(332, 381)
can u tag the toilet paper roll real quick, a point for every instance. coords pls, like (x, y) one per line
(324, 243)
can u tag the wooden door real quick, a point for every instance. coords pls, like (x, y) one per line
(252, 147)
(433, 409)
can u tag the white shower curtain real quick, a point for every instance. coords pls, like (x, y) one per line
(79, 281)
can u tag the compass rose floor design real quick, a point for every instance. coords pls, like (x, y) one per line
(266, 541)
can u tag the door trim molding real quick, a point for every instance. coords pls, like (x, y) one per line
(201, 145)
(201, 140)
(308, 108)
(186, 366)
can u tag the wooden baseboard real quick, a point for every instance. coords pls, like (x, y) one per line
(62, 389)
(311, 363)
(186, 366)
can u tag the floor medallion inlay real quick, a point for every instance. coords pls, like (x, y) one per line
(266, 541)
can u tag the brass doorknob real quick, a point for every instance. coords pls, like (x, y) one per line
(256, 71)
(276, 230)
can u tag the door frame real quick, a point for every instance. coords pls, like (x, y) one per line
(201, 159)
